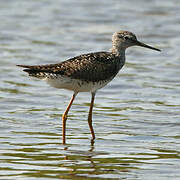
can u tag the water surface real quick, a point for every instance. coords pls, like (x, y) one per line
(136, 117)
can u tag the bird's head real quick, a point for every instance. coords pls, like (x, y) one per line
(124, 39)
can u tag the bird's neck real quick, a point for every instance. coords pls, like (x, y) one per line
(118, 48)
(118, 51)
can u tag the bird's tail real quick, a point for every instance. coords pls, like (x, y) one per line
(33, 71)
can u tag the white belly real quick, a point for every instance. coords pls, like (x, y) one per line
(75, 85)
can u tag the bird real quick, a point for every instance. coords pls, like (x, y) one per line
(87, 72)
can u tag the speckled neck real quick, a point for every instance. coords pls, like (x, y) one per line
(118, 51)
(118, 47)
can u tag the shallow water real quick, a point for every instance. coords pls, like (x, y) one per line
(136, 117)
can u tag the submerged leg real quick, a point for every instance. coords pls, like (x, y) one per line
(64, 118)
(90, 116)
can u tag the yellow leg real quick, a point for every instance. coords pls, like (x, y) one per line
(90, 116)
(64, 118)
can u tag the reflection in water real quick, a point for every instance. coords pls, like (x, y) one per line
(81, 162)
(92, 145)
(73, 156)
(46, 157)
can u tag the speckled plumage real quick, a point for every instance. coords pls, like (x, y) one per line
(87, 72)
(87, 67)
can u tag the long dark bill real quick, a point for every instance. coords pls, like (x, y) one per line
(138, 43)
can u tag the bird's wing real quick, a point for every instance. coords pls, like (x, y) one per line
(91, 67)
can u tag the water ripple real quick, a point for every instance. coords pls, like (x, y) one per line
(136, 117)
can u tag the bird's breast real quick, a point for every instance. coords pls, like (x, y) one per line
(76, 85)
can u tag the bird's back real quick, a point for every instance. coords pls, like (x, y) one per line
(92, 67)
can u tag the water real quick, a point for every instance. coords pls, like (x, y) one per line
(136, 117)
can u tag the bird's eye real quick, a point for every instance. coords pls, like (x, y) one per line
(126, 37)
